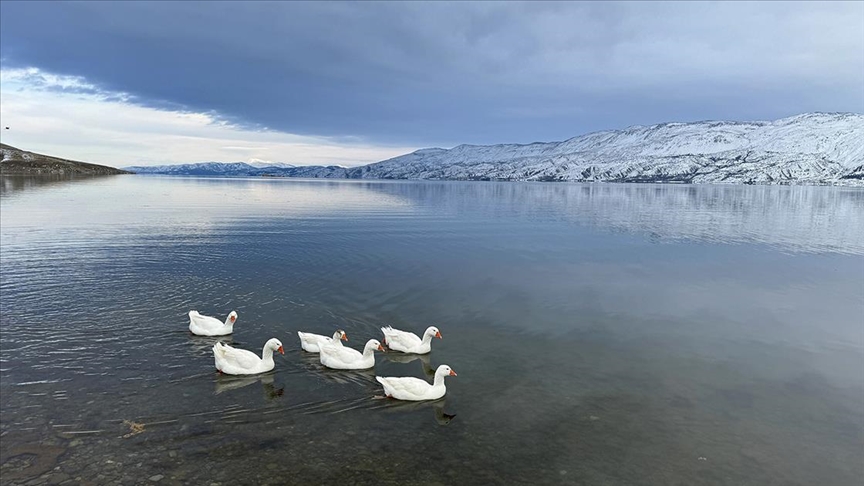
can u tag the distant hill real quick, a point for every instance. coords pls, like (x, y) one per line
(812, 148)
(281, 165)
(20, 162)
(238, 169)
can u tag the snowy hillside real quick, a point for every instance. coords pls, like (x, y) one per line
(805, 149)
(202, 168)
(815, 148)
(281, 165)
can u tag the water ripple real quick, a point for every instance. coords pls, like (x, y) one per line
(560, 302)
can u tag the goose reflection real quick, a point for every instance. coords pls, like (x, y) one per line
(312, 363)
(203, 345)
(398, 406)
(231, 382)
(428, 370)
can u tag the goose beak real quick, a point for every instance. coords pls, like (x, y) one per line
(380, 348)
(452, 373)
(281, 350)
(438, 335)
(344, 337)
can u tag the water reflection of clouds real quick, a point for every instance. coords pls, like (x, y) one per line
(109, 208)
(280, 197)
(234, 196)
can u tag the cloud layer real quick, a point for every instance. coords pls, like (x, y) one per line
(439, 73)
(89, 124)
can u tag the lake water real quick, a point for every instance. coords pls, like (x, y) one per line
(602, 334)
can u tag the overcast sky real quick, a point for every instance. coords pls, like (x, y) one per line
(317, 83)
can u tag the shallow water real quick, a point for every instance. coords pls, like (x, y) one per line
(603, 334)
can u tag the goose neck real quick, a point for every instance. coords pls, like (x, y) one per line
(439, 380)
(267, 355)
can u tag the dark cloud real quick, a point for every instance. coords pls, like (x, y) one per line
(447, 73)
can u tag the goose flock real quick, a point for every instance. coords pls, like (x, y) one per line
(332, 354)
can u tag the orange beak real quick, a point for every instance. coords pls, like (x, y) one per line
(344, 336)
(380, 348)
(438, 335)
(281, 350)
(452, 373)
(233, 318)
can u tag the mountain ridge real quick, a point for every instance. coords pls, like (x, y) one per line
(810, 148)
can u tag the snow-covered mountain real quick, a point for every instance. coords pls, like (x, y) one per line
(201, 168)
(219, 169)
(262, 164)
(814, 148)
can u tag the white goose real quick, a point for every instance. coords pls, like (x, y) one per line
(415, 389)
(210, 326)
(342, 358)
(233, 361)
(312, 342)
(408, 342)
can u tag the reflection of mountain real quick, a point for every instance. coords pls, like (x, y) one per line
(17, 182)
(799, 218)
(795, 218)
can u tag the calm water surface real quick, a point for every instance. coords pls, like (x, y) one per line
(603, 334)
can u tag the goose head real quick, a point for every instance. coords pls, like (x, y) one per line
(433, 331)
(275, 345)
(232, 317)
(374, 345)
(340, 335)
(445, 370)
